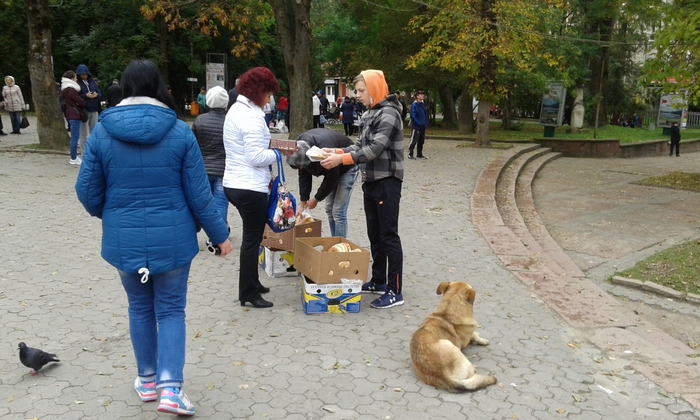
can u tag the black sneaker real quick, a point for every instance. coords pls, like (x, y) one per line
(411, 157)
(2, 133)
(422, 157)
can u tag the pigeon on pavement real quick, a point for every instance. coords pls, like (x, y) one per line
(34, 358)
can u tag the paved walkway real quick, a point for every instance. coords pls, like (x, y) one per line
(58, 294)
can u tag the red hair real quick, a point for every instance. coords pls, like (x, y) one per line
(256, 83)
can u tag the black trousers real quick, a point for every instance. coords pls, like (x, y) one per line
(677, 145)
(317, 121)
(252, 207)
(381, 200)
(417, 138)
(348, 129)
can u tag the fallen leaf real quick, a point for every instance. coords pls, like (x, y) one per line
(238, 363)
(398, 389)
(243, 386)
(196, 336)
(107, 403)
(10, 398)
(693, 345)
(577, 398)
(78, 402)
(210, 387)
(330, 410)
(561, 411)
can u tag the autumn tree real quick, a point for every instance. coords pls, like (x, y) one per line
(674, 63)
(244, 20)
(480, 41)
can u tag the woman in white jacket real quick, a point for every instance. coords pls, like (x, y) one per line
(14, 102)
(247, 175)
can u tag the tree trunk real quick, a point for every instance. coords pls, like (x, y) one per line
(50, 124)
(466, 112)
(163, 48)
(487, 73)
(449, 116)
(507, 110)
(482, 123)
(294, 32)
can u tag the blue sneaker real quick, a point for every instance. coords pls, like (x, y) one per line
(147, 390)
(387, 300)
(371, 287)
(171, 402)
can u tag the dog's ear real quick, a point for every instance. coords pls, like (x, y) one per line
(442, 288)
(471, 295)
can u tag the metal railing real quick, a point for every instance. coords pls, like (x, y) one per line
(693, 119)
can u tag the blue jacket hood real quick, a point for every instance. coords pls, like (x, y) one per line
(143, 124)
(82, 69)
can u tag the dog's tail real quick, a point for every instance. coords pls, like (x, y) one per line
(474, 383)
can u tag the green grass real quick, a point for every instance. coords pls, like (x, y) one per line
(674, 180)
(676, 267)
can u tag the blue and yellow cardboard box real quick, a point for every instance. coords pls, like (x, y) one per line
(276, 263)
(330, 298)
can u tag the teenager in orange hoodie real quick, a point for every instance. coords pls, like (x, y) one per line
(379, 152)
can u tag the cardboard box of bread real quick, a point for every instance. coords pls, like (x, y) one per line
(329, 260)
(304, 227)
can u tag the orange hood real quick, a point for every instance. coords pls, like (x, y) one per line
(376, 86)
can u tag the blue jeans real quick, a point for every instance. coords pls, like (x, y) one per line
(337, 203)
(74, 136)
(15, 120)
(220, 200)
(157, 324)
(268, 118)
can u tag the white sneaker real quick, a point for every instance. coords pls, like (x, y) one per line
(76, 161)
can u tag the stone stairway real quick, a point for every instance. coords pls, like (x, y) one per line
(504, 211)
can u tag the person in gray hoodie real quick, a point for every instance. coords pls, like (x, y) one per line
(91, 93)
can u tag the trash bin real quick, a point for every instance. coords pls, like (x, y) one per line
(194, 108)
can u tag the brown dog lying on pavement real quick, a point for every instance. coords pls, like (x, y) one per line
(436, 347)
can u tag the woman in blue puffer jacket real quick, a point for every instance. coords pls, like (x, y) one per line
(143, 175)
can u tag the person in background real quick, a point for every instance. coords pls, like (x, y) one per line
(675, 139)
(70, 95)
(316, 108)
(379, 149)
(232, 95)
(144, 176)
(14, 102)
(114, 94)
(324, 108)
(404, 108)
(91, 93)
(359, 109)
(282, 108)
(2, 133)
(209, 130)
(247, 174)
(202, 100)
(336, 187)
(268, 109)
(347, 115)
(419, 123)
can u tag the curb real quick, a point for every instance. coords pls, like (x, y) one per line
(658, 289)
